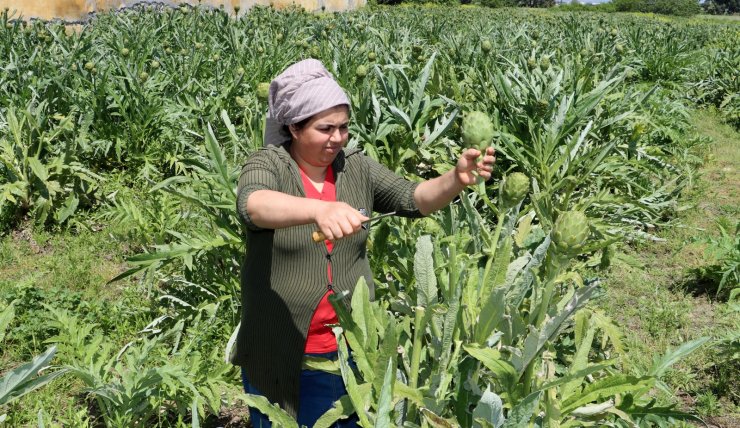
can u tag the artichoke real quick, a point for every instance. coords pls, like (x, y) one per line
(371, 56)
(515, 188)
(361, 71)
(486, 46)
(638, 129)
(125, 52)
(89, 66)
(263, 90)
(477, 130)
(570, 233)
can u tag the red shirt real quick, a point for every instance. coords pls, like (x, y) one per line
(320, 338)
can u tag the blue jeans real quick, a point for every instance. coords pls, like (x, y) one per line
(318, 392)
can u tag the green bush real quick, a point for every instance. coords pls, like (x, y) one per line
(676, 7)
(664, 7)
(721, 7)
(630, 5)
(576, 6)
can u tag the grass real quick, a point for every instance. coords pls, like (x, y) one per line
(70, 271)
(658, 300)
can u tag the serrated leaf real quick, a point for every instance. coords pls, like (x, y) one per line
(69, 208)
(426, 280)
(605, 388)
(38, 169)
(490, 409)
(341, 409)
(537, 339)
(383, 416)
(24, 379)
(491, 315)
(661, 364)
(502, 369)
(277, 416)
(6, 317)
(520, 415)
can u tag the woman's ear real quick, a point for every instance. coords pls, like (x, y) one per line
(293, 131)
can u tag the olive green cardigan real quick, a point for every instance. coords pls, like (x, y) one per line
(283, 276)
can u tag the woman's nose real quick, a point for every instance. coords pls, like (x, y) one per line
(336, 135)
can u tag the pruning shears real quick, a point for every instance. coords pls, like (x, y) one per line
(318, 236)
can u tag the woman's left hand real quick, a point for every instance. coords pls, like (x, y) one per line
(471, 161)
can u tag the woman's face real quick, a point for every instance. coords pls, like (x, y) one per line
(322, 138)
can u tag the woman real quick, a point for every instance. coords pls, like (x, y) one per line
(303, 180)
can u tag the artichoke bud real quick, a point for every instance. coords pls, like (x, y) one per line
(371, 56)
(143, 76)
(263, 90)
(531, 62)
(638, 129)
(361, 71)
(542, 106)
(570, 233)
(477, 130)
(89, 66)
(398, 134)
(486, 46)
(125, 52)
(515, 189)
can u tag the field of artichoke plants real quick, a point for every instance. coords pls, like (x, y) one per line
(129, 132)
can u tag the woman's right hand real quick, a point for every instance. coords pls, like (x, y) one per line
(338, 219)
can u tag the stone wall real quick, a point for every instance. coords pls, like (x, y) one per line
(75, 10)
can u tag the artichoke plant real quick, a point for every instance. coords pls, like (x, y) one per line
(263, 90)
(570, 233)
(514, 189)
(477, 130)
(486, 46)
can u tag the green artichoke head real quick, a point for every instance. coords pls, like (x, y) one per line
(515, 189)
(263, 90)
(570, 232)
(486, 46)
(361, 71)
(477, 130)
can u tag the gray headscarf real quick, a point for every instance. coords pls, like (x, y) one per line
(302, 90)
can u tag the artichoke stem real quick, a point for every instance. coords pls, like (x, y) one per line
(453, 277)
(419, 328)
(553, 265)
(497, 233)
